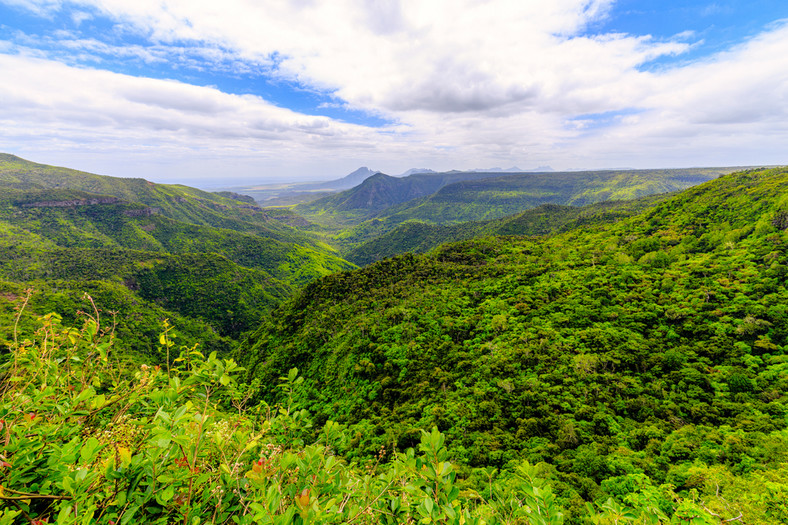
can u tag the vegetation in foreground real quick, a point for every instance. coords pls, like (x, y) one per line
(616, 372)
(89, 440)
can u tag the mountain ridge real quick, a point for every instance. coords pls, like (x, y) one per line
(214, 263)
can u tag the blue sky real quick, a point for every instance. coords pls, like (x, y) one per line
(47, 34)
(712, 27)
(186, 91)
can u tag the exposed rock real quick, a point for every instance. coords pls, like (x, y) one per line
(71, 203)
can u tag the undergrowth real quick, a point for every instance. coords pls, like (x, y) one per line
(87, 439)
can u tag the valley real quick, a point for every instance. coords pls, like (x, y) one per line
(603, 343)
(384, 262)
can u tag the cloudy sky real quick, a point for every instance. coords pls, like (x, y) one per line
(215, 93)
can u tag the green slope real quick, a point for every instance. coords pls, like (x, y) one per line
(135, 322)
(72, 219)
(219, 295)
(211, 263)
(225, 278)
(502, 196)
(377, 194)
(420, 237)
(453, 197)
(651, 349)
(191, 205)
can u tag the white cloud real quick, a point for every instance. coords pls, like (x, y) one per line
(388, 55)
(39, 7)
(80, 16)
(93, 109)
(469, 82)
(729, 110)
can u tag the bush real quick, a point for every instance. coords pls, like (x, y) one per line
(86, 439)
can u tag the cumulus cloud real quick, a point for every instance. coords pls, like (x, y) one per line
(390, 55)
(89, 106)
(466, 82)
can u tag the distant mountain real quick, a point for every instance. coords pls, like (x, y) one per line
(378, 193)
(375, 194)
(453, 197)
(302, 192)
(414, 171)
(348, 181)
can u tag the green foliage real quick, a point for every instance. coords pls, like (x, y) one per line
(376, 194)
(379, 238)
(650, 347)
(77, 220)
(627, 368)
(178, 202)
(135, 330)
(445, 198)
(90, 440)
(212, 263)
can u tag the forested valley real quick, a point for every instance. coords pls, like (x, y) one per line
(614, 355)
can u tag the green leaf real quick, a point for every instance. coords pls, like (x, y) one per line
(98, 401)
(67, 483)
(167, 494)
(88, 451)
(84, 395)
(129, 514)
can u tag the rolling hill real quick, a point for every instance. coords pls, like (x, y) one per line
(378, 193)
(190, 205)
(420, 237)
(210, 263)
(454, 197)
(628, 357)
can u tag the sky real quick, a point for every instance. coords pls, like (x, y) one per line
(215, 94)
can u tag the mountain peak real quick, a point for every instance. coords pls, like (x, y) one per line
(359, 171)
(413, 171)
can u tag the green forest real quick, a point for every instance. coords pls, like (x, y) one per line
(615, 355)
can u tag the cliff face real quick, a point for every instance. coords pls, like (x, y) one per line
(93, 201)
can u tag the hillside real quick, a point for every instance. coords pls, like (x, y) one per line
(629, 357)
(213, 270)
(444, 198)
(223, 210)
(72, 219)
(378, 193)
(420, 237)
(498, 197)
(174, 448)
